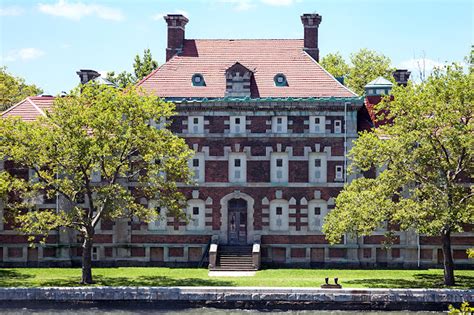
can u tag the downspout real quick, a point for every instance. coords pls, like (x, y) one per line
(419, 250)
(345, 142)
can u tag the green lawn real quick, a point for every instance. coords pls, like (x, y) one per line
(379, 278)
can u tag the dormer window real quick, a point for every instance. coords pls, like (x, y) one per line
(198, 80)
(280, 80)
(238, 79)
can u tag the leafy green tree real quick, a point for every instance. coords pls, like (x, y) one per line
(96, 131)
(367, 65)
(144, 67)
(425, 157)
(335, 65)
(141, 68)
(14, 89)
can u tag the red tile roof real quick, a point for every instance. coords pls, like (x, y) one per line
(265, 57)
(30, 108)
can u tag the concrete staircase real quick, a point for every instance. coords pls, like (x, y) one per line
(234, 258)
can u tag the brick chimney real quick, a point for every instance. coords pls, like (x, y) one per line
(401, 76)
(176, 24)
(311, 23)
(87, 75)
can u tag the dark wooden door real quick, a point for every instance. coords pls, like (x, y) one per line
(237, 222)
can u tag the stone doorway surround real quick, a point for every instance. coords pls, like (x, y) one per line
(223, 233)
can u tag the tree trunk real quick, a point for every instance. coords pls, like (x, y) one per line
(87, 260)
(447, 258)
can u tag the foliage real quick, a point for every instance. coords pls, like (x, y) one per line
(14, 89)
(141, 67)
(95, 130)
(365, 66)
(425, 157)
(465, 309)
(470, 253)
(335, 65)
(152, 276)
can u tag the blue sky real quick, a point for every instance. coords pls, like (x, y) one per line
(46, 42)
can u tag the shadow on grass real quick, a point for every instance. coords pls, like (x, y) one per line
(420, 280)
(159, 281)
(9, 278)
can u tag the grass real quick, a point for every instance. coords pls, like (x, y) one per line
(361, 278)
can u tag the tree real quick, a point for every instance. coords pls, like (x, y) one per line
(365, 66)
(141, 68)
(425, 158)
(335, 65)
(14, 89)
(96, 131)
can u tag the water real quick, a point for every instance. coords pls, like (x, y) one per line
(188, 311)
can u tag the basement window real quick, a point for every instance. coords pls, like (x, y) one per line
(198, 80)
(280, 80)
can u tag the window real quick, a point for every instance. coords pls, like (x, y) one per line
(317, 124)
(196, 215)
(280, 80)
(279, 215)
(279, 167)
(160, 219)
(95, 253)
(198, 80)
(237, 168)
(339, 173)
(195, 124)
(337, 126)
(237, 124)
(279, 124)
(317, 168)
(198, 167)
(95, 176)
(317, 209)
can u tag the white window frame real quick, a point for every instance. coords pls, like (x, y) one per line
(199, 171)
(280, 127)
(236, 128)
(242, 169)
(315, 222)
(95, 253)
(279, 174)
(317, 128)
(158, 125)
(196, 128)
(338, 172)
(313, 168)
(196, 222)
(337, 126)
(279, 222)
(160, 221)
(96, 176)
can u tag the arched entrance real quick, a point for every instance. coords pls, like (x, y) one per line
(225, 213)
(237, 222)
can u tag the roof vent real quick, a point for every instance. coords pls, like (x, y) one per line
(280, 80)
(198, 80)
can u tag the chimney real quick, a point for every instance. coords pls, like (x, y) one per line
(176, 24)
(401, 76)
(311, 23)
(87, 75)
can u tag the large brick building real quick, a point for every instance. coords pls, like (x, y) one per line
(271, 129)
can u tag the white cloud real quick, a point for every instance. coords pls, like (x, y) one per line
(11, 11)
(240, 5)
(77, 10)
(159, 16)
(420, 67)
(23, 54)
(279, 3)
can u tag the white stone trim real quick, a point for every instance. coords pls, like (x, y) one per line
(223, 235)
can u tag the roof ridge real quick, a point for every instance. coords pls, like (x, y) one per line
(242, 39)
(36, 106)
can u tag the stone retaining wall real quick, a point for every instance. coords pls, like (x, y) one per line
(247, 296)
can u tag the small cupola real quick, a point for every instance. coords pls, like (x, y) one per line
(379, 86)
(238, 81)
